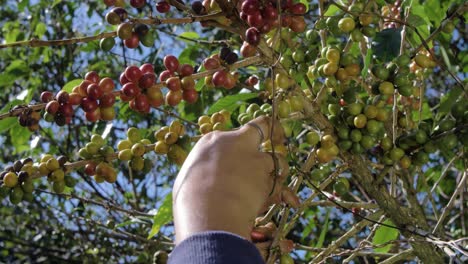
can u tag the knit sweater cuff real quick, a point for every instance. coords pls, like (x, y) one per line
(213, 247)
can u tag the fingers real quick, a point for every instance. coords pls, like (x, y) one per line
(259, 130)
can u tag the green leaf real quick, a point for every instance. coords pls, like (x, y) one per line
(199, 86)
(189, 35)
(7, 123)
(230, 102)
(40, 30)
(384, 234)
(332, 10)
(426, 113)
(56, 2)
(68, 87)
(416, 20)
(367, 62)
(132, 220)
(448, 100)
(17, 67)
(163, 216)
(324, 231)
(189, 55)
(20, 137)
(386, 44)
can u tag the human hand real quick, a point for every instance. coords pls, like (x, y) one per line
(226, 180)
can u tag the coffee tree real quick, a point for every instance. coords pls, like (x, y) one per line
(103, 101)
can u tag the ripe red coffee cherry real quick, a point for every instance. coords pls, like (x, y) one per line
(107, 85)
(90, 169)
(137, 3)
(62, 97)
(173, 97)
(147, 68)
(252, 36)
(92, 76)
(163, 7)
(255, 20)
(250, 6)
(270, 12)
(133, 73)
(147, 80)
(211, 63)
(124, 98)
(123, 79)
(190, 95)
(88, 104)
(66, 110)
(248, 50)
(171, 63)
(220, 78)
(142, 103)
(173, 83)
(298, 9)
(132, 42)
(52, 107)
(47, 96)
(75, 99)
(130, 90)
(107, 100)
(93, 116)
(198, 8)
(185, 70)
(165, 75)
(93, 91)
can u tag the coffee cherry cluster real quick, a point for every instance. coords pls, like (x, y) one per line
(222, 77)
(178, 79)
(253, 111)
(133, 148)
(206, 7)
(262, 17)
(169, 140)
(29, 118)
(363, 25)
(131, 33)
(54, 169)
(95, 151)
(328, 149)
(58, 109)
(17, 181)
(95, 96)
(134, 33)
(140, 89)
(303, 53)
(217, 121)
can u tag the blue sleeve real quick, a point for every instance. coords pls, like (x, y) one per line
(215, 247)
